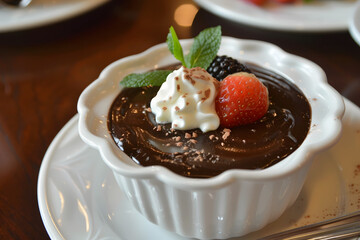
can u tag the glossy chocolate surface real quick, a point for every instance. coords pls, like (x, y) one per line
(192, 153)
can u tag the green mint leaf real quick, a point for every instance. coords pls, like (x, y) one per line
(153, 78)
(204, 48)
(202, 52)
(174, 45)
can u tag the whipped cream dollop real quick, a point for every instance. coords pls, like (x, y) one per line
(187, 100)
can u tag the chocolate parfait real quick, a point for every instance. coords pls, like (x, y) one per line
(195, 153)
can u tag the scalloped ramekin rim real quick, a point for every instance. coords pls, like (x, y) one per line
(302, 155)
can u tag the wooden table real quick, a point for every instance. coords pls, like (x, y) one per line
(44, 70)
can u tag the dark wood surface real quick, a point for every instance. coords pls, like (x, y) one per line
(44, 70)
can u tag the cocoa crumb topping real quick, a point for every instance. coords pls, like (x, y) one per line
(158, 128)
(198, 159)
(194, 135)
(202, 77)
(189, 78)
(197, 69)
(227, 130)
(193, 141)
(177, 138)
(207, 93)
(187, 135)
(226, 133)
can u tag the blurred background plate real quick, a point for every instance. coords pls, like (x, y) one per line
(354, 24)
(314, 16)
(43, 12)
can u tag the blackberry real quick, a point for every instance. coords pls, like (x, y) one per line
(222, 66)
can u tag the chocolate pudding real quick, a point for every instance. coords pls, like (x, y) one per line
(192, 153)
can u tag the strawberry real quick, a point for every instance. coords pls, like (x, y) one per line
(242, 99)
(257, 2)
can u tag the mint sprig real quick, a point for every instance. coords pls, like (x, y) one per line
(202, 52)
(174, 46)
(153, 78)
(204, 48)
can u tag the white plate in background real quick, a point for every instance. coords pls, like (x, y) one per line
(314, 16)
(354, 23)
(43, 12)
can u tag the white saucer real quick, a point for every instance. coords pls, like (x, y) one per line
(79, 198)
(314, 16)
(354, 23)
(43, 12)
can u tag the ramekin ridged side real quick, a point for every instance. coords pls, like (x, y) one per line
(240, 207)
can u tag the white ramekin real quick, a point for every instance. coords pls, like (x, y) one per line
(236, 202)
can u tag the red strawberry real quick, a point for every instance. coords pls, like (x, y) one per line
(257, 2)
(242, 99)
